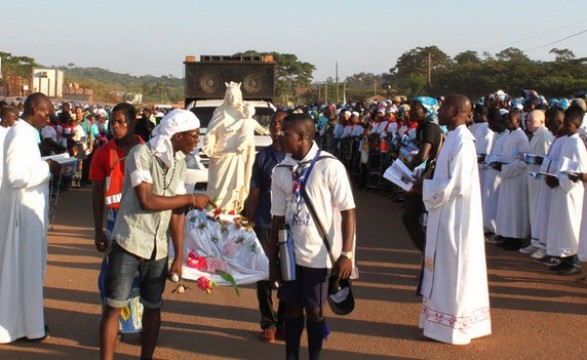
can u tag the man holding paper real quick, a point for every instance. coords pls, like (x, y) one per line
(513, 218)
(562, 238)
(454, 276)
(428, 139)
(539, 145)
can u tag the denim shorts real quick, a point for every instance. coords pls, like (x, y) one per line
(122, 270)
(310, 288)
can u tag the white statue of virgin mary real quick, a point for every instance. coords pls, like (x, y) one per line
(228, 145)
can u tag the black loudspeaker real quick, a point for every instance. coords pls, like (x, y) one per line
(205, 80)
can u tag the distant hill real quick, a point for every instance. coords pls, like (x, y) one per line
(163, 89)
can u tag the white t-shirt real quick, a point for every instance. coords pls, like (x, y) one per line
(80, 134)
(49, 132)
(329, 189)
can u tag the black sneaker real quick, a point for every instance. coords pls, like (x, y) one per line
(512, 244)
(562, 266)
(499, 240)
(550, 261)
(571, 270)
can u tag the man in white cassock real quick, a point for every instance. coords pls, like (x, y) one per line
(8, 116)
(562, 237)
(513, 218)
(492, 177)
(23, 224)
(484, 139)
(539, 145)
(539, 225)
(454, 278)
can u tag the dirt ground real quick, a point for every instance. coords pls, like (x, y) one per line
(535, 314)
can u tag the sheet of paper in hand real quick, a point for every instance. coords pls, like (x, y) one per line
(496, 159)
(569, 167)
(532, 159)
(399, 174)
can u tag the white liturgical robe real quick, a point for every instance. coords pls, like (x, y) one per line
(513, 218)
(539, 145)
(540, 222)
(562, 238)
(454, 278)
(484, 137)
(490, 184)
(23, 235)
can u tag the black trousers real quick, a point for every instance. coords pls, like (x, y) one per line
(269, 317)
(414, 208)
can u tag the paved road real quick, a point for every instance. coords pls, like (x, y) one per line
(536, 314)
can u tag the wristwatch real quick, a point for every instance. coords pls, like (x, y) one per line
(347, 254)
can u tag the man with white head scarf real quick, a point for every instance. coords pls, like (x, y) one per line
(153, 202)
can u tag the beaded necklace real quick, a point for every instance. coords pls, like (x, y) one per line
(165, 183)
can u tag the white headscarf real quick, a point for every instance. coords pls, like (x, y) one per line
(174, 122)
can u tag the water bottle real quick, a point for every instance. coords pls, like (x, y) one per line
(286, 254)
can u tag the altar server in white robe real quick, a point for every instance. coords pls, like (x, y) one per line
(8, 116)
(539, 145)
(539, 228)
(492, 177)
(513, 218)
(562, 238)
(454, 278)
(23, 224)
(484, 138)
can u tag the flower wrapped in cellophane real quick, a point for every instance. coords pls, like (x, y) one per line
(222, 249)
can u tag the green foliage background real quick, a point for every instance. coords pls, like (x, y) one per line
(419, 71)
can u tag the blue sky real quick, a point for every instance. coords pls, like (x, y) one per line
(154, 36)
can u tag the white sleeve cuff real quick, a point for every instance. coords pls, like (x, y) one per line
(180, 188)
(138, 177)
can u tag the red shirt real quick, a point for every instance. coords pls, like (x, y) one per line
(100, 165)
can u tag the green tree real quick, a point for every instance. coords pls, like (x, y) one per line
(291, 73)
(562, 54)
(410, 74)
(512, 54)
(467, 57)
(21, 66)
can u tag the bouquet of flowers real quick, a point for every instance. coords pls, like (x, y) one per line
(220, 249)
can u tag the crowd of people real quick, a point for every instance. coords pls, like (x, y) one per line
(530, 174)
(524, 172)
(498, 169)
(136, 167)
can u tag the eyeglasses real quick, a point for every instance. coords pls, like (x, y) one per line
(193, 136)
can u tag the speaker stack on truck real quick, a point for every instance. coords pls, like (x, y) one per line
(205, 78)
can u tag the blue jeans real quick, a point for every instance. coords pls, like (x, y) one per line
(122, 269)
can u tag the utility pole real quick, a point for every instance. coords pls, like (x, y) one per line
(337, 94)
(429, 70)
(319, 92)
